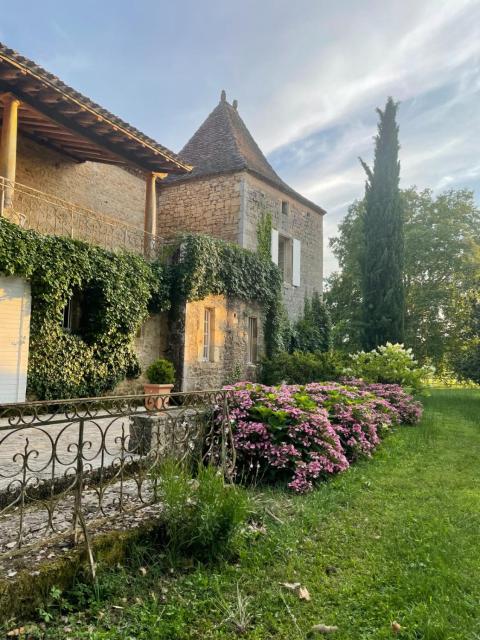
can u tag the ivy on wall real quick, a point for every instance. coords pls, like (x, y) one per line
(120, 290)
(210, 266)
(264, 236)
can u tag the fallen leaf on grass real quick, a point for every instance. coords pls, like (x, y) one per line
(293, 586)
(323, 628)
(303, 594)
(143, 571)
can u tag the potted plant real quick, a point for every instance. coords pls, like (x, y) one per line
(161, 377)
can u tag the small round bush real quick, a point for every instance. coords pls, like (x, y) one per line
(161, 372)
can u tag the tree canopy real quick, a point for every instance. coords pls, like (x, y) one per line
(441, 233)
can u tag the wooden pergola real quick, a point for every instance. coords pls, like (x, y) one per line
(46, 110)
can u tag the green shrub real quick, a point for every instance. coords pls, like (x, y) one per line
(466, 363)
(392, 364)
(201, 515)
(301, 368)
(161, 372)
(312, 331)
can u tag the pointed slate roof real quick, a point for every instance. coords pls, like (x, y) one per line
(223, 144)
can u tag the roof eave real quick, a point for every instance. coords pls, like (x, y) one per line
(86, 108)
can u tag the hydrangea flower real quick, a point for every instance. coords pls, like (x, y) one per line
(301, 434)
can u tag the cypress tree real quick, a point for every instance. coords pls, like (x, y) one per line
(382, 262)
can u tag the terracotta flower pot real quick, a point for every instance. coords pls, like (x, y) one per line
(153, 390)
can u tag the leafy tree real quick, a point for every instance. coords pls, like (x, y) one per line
(383, 303)
(312, 332)
(439, 273)
(466, 362)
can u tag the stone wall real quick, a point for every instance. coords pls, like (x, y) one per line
(106, 189)
(150, 343)
(300, 222)
(230, 207)
(109, 190)
(210, 206)
(229, 343)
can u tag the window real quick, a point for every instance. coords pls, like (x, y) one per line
(208, 329)
(285, 207)
(285, 257)
(286, 253)
(73, 320)
(252, 340)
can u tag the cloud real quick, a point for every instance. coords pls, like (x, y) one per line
(430, 62)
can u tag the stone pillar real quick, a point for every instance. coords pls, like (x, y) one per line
(8, 146)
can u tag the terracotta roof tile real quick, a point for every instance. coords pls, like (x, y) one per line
(223, 144)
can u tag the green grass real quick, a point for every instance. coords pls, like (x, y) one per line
(395, 538)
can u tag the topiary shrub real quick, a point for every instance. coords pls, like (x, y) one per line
(161, 372)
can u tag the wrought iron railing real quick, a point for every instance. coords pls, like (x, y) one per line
(49, 214)
(68, 464)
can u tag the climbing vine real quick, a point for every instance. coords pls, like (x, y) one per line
(120, 291)
(209, 266)
(264, 235)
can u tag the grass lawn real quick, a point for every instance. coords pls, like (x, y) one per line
(396, 538)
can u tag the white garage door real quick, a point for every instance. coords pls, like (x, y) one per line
(14, 336)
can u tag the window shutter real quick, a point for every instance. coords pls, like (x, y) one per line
(274, 247)
(296, 263)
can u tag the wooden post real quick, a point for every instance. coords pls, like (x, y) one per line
(8, 145)
(150, 213)
(150, 226)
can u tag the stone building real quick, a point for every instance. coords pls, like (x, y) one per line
(69, 167)
(231, 187)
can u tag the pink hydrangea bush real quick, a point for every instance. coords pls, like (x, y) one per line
(407, 410)
(359, 418)
(282, 434)
(300, 434)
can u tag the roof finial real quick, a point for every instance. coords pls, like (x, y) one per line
(223, 96)
(235, 104)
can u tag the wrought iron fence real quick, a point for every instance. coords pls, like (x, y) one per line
(66, 465)
(49, 214)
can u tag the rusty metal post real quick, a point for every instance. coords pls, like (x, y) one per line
(77, 507)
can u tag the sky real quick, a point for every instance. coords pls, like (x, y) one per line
(308, 76)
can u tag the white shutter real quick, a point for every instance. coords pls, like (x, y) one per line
(297, 246)
(274, 247)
